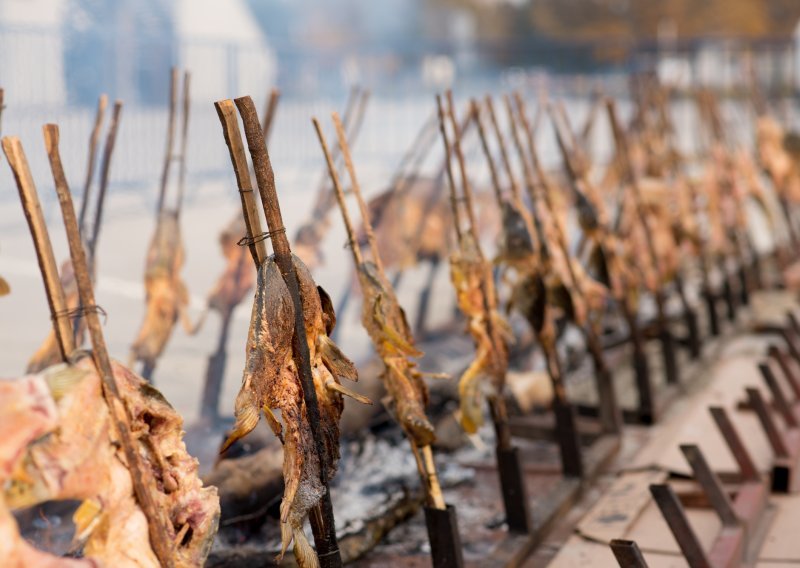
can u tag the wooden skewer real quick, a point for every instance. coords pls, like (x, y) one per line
(269, 112)
(173, 103)
(362, 206)
(498, 190)
(233, 138)
(462, 166)
(159, 526)
(184, 140)
(105, 170)
(2, 107)
(501, 140)
(337, 186)
(322, 521)
(449, 169)
(102, 103)
(41, 241)
(422, 454)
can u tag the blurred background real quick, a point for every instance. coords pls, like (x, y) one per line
(58, 56)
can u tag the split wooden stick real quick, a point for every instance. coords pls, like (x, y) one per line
(448, 167)
(269, 112)
(105, 170)
(160, 527)
(184, 139)
(501, 141)
(173, 103)
(226, 111)
(487, 152)
(2, 108)
(322, 521)
(362, 206)
(102, 103)
(41, 242)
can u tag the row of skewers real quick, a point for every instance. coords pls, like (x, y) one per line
(644, 229)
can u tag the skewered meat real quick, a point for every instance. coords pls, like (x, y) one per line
(271, 382)
(166, 295)
(477, 299)
(52, 452)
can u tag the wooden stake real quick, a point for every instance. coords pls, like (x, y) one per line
(348, 224)
(269, 112)
(422, 454)
(159, 525)
(498, 191)
(2, 107)
(512, 179)
(173, 103)
(102, 103)
(324, 535)
(448, 167)
(226, 111)
(41, 241)
(105, 170)
(184, 140)
(362, 206)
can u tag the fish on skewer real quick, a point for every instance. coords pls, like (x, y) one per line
(271, 383)
(476, 296)
(273, 379)
(386, 324)
(166, 295)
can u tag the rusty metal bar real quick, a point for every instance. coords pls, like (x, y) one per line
(627, 554)
(782, 359)
(774, 436)
(778, 397)
(678, 523)
(740, 453)
(711, 485)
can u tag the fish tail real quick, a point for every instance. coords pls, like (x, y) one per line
(246, 419)
(303, 551)
(286, 539)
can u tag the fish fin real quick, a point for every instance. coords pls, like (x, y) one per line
(62, 379)
(303, 552)
(85, 518)
(334, 386)
(327, 310)
(335, 360)
(247, 417)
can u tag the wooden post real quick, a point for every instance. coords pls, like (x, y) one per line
(102, 103)
(160, 528)
(322, 521)
(41, 241)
